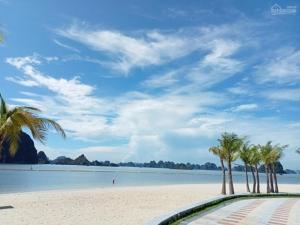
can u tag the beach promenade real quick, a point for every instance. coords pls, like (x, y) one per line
(276, 211)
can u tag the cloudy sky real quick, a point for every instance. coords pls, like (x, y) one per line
(142, 80)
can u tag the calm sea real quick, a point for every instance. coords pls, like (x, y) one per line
(22, 178)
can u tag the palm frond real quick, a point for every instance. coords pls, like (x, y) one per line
(28, 108)
(255, 156)
(13, 140)
(12, 134)
(30, 121)
(47, 123)
(231, 144)
(3, 107)
(12, 121)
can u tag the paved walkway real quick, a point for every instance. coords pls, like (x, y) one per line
(276, 211)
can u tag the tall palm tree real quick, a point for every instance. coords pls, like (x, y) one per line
(216, 150)
(231, 145)
(275, 155)
(255, 159)
(265, 151)
(13, 120)
(244, 155)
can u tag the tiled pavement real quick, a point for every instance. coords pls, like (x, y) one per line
(276, 211)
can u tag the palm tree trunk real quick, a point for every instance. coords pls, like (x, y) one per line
(257, 179)
(271, 179)
(223, 192)
(275, 178)
(254, 180)
(247, 181)
(231, 188)
(267, 175)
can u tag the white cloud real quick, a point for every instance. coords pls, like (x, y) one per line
(93, 118)
(165, 80)
(100, 149)
(20, 62)
(124, 51)
(72, 103)
(291, 94)
(220, 50)
(127, 52)
(245, 107)
(174, 13)
(240, 90)
(145, 148)
(283, 67)
(24, 82)
(218, 65)
(260, 130)
(214, 67)
(155, 115)
(59, 43)
(71, 90)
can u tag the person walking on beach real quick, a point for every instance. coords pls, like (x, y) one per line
(113, 182)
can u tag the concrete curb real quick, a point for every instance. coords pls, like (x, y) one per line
(202, 205)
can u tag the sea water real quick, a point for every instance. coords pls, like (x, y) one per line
(23, 178)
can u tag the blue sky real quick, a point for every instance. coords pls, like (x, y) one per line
(149, 80)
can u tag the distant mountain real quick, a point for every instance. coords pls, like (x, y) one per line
(240, 168)
(278, 167)
(82, 160)
(172, 165)
(42, 158)
(26, 152)
(209, 166)
(288, 171)
(62, 160)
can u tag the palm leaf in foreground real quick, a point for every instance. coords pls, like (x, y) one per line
(13, 120)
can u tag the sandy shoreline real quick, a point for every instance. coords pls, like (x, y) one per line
(114, 206)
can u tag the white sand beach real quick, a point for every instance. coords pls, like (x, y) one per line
(114, 206)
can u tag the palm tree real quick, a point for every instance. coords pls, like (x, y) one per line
(275, 155)
(216, 150)
(265, 151)
(231, 144)
(244, 155)
(255, 159)
(13, 120)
